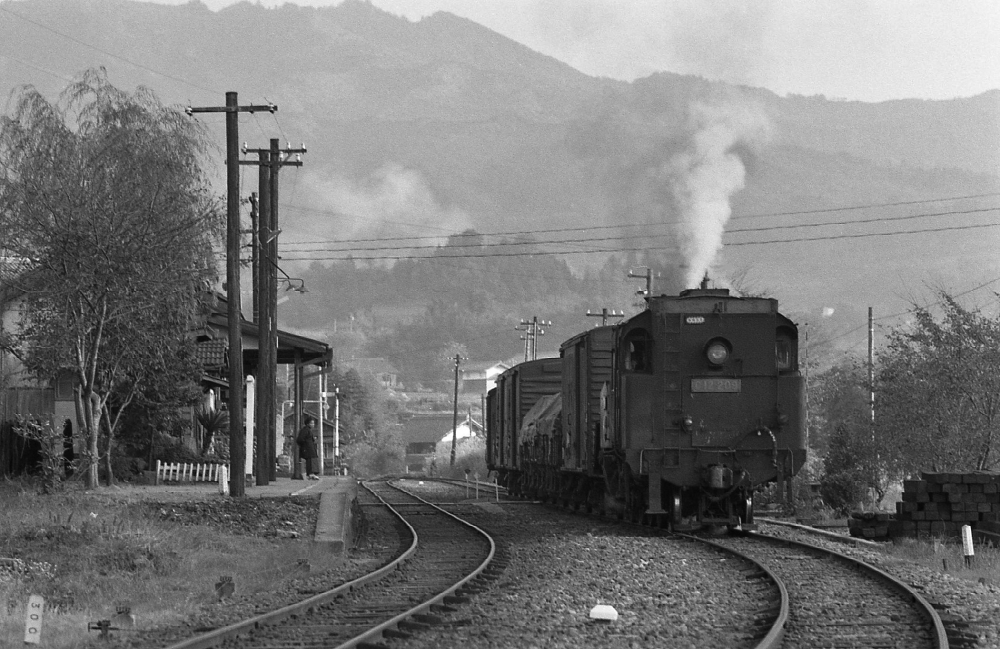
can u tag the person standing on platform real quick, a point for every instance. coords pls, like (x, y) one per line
(306, 439)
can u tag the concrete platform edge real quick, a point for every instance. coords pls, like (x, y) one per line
(335, 521)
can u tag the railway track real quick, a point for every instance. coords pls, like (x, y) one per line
(437, 570)
(837, 601)
(813, 597)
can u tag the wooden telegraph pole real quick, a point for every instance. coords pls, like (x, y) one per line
(268, 162)
(454, 420)
(237, 443)
(605, 314)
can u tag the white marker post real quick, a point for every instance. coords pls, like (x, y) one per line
(967, 548)
(33, 620)
(223, 479)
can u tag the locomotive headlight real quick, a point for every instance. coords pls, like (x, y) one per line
(717, 352)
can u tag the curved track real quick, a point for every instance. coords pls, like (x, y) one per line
(767, 618)
(445, 555)
(813, 597)
(838, 601)
(828, 599)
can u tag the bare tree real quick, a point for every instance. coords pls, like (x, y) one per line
(104, 195)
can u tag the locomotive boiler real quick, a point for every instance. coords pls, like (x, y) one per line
(679, 413)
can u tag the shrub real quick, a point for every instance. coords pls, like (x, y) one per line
(124, 467)
(180, 453)
(470, 453)
(367, 460)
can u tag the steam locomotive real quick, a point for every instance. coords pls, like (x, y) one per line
(679, 413)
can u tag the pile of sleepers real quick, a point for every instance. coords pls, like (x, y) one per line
(939, 504)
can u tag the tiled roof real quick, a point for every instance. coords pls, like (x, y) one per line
(212, 353)
(427, 427)
(431, 427)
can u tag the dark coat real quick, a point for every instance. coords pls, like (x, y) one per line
(306, 440)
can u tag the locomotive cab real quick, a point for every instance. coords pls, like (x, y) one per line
(708, 407)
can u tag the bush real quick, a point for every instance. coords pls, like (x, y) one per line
(124, 467)
(178, 452)
(844, 490)
(368, 460)
(470, 453)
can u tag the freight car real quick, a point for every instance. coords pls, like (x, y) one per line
(679, 413)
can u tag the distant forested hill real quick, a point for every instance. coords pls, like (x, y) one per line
(431, 128)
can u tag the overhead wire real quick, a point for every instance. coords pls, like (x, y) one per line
(908, 311)
(646, 235)
(57, 75)
(347, 254)
(612, 227)
(4, 8)
(187, 82)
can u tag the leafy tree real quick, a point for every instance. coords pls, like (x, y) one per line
(103, 193)
(382, 453)
(842, 418)
(938, 391)
(214, 421)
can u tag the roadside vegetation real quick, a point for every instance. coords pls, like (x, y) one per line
(110, 224)
(88, 553)
(936, 408)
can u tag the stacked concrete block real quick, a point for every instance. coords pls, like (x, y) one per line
(941, 503)
(869, 525)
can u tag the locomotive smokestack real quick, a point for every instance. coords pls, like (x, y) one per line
(704, 282)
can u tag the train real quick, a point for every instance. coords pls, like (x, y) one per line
(675, 416)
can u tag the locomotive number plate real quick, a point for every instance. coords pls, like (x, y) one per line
(715, 384)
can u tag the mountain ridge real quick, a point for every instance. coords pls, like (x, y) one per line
(442, 124)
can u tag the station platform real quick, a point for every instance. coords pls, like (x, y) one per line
(335, 523)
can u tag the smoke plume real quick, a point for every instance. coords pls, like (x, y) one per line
(702, 178)
(392, 202)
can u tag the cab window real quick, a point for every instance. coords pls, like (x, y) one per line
(784, 350)
(638, 349)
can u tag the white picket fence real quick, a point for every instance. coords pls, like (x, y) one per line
(190, 472)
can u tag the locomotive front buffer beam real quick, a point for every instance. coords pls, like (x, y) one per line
(719, 495)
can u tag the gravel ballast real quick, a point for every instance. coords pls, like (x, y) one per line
(559, 566)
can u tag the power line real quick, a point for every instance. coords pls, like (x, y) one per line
(606, 227)
(866, 235)
(349, 256)
(38, 67)
(649, 235)
(908, 311)
(4, 8)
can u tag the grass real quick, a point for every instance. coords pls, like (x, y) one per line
(947, 556)
(87, 555)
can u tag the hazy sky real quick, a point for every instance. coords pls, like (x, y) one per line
(869, 50)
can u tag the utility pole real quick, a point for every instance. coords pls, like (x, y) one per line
(268, 162)
(648, 276)
(267, 346)
(254, 256)
(336, 429)
(454, 420)
(532, 330)
(605, 314)
(871, 366)
(237, 441)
